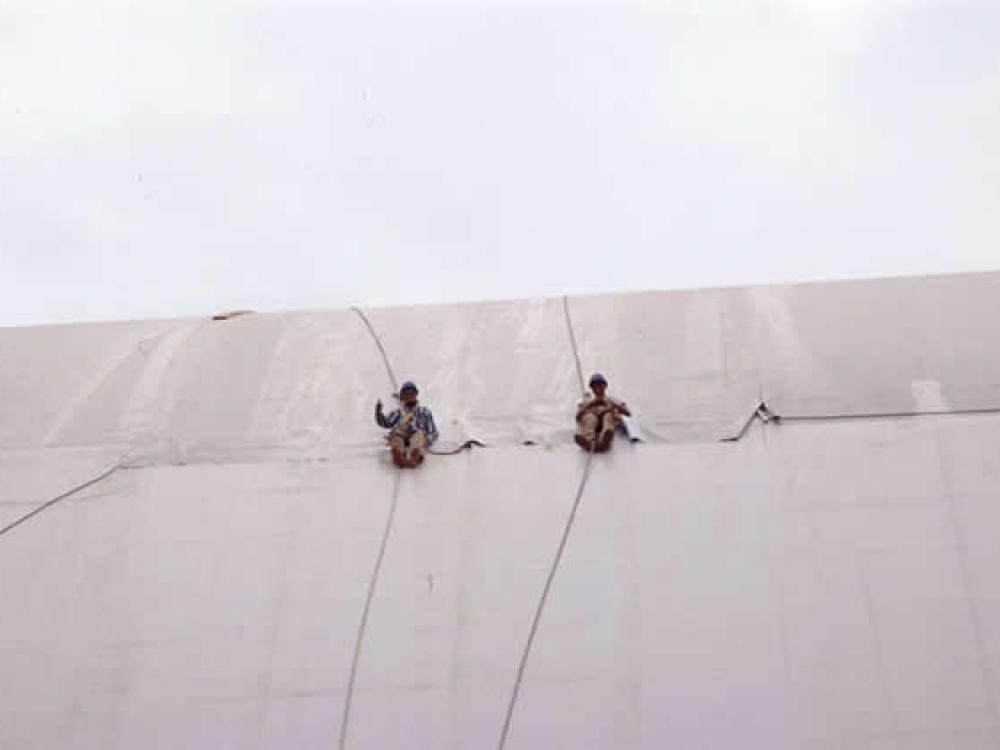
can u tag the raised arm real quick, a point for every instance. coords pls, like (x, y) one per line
(381, 420)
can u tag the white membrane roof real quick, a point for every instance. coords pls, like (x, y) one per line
(249, 570)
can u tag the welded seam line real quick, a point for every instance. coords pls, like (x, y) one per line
(879, 642)
(979, 630)
(541, 602)
(53, 501)
(378, 343)
(572, 341)
(359, 642)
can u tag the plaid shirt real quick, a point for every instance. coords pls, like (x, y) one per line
(419, 417)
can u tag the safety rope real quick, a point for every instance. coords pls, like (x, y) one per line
(378, 343)
(69, 493)
(761, 412)
(543, 599)
(373, 583)
(554, 567)
(882, 415)
(359, 642)
(467, 445)
(764, 414)
(572, 341)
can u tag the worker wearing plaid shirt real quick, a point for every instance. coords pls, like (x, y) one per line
(411, 428)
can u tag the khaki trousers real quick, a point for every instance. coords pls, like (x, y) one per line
(413, 447)
(593, 424)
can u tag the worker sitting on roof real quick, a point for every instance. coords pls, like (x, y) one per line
(411, 428)
(598, 416)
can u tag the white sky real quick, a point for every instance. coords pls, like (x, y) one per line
(174, 158)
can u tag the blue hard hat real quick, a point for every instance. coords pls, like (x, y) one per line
(598, 378)
(409, 385)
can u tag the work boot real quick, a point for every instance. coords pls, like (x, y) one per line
(397, 457)
(605, 442)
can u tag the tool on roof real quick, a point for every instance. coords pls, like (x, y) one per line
(632, 429)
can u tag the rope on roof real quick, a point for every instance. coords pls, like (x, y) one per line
(533, 630)
(554, 567)
(69, 493)
(378, 342)
(572, 341)
(764, 414)
(362, 626)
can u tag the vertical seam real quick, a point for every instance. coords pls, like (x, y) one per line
(878, 640)
(975, 617)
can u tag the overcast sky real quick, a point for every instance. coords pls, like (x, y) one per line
(161, 158)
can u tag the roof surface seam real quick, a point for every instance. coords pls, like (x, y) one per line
(979, 629)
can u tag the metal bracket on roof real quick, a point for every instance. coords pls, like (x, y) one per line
(765, 414)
